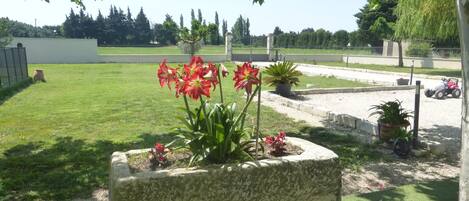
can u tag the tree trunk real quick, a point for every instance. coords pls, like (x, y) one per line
(401, 59)
(463, 21)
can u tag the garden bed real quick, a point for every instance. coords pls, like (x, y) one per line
(315, 174)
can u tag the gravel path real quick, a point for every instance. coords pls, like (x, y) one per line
(440, 120)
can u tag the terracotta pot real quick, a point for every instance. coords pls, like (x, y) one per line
(386, 131)
(283, 89)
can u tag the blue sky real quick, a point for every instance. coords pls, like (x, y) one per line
(289, 15)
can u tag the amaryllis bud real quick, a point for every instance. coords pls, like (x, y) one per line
(224, 71)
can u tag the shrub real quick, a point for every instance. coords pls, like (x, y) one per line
(419, 49)
(391, 112)
(282, 73)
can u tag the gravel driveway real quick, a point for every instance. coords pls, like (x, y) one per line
(440, 120)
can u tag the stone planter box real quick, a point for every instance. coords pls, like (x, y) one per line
(313, 175)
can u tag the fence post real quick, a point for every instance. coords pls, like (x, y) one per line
(6, 67)
(416, 115)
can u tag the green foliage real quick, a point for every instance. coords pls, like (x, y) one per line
(419, 49)
(190, 40)
(427, 19)
(375, 21)
(402, 134)
(282, 73)
(391, 112)
(218, 137)
(241, 31)
(5, 37)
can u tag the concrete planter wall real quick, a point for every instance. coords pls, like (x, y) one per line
(313, 175)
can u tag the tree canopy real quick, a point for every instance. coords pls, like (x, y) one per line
(427, 19)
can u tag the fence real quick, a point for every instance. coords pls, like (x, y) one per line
(13, 66)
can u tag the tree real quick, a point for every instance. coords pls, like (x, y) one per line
(224, 29)
(199, 16)
(277, 31)
(142, 28)
(70, 25)
(340, 38)
(190, 40)
(130, 28)
(100, 25)
(238, 31)
(247, 32)
(5, 36)
(213, 34)
(181, 21)
(463, 21)
(217, 22)
(192, 15)
(377, 20)
(170, 31)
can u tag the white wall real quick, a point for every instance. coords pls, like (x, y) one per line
(157, 58)
(312, 58)
(58, 50)
(394, 61)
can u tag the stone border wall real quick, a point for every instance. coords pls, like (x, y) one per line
(313, 175)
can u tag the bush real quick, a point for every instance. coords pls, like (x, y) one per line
(419, 49)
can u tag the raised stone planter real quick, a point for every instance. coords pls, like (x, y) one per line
(313, 175)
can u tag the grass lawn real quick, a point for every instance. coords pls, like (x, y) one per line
(427, 71)
(56, 137)
(211, 49)
(324, 82)
(445, 190)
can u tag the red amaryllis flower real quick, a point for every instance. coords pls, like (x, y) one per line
(166, 75)
(159, 148)
(245, 77)
(211, 74)
(196, 86)
(195, 67)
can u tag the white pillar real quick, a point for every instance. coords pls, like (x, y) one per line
(228, 46)
(463, 21)
(270, 47)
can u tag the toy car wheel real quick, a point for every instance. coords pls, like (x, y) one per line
(440, 94)
(429, 93)
(456, 93)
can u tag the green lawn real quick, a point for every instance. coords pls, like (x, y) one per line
(446, 190)
(210, 49)
(56, 137)
(427, 71)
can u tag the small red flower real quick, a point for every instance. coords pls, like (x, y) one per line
(245, 77)
(276, 144)
(196, 86)
(166, 75)
(160, 148)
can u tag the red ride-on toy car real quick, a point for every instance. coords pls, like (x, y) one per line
(446, 87)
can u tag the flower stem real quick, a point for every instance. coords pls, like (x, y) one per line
(188, 111)
(202, 102)
(219, 83)
(258, 114)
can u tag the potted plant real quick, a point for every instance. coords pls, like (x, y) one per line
(282, 75)
(392, 117)
(216, 156)
(402, 142)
